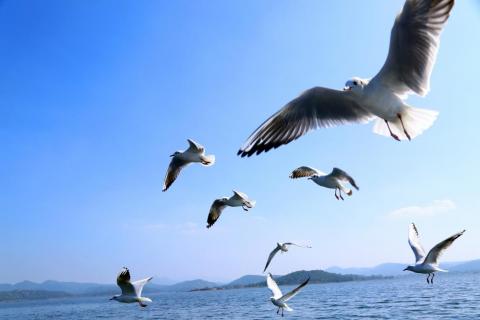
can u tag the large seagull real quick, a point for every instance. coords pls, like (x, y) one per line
(427, 263)
(414, 43)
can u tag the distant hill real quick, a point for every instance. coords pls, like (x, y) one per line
(31, 295)
(471, 266)
(191, 285)
(396, 269)
(384, 269)
(245, 280)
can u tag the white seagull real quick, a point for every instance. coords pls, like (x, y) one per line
(131, 291)
(282, 247)
(414, 42)
(279, 299)
(238, 199)
(180, 159)
(334, 180)
(427, 263)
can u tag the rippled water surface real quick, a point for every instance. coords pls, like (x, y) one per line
(453, 296)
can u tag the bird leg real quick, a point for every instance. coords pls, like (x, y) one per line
(394, 136)
(142, 305)
(404, 130)
(282, 312)
(431, 280)
(244, 208)
(336, 194)
(278, 310)
(340, 194)
(428, 278)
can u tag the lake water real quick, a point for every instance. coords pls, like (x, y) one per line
(453, 296)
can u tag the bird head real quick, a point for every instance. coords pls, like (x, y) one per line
(176, 153)
(355, 84)
(114, 297)
(408, 268)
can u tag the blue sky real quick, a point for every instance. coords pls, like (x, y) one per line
(95, 96)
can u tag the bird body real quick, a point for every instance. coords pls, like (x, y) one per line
(414, 42)
(131, 291)
(281, 247)
(427, 263)
(334, 180)
(279, 299)
(180, 159)
(238, 199)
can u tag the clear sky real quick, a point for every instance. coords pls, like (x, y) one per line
(95, 96)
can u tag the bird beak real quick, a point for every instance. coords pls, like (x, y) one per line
(347, 88)
(110, 299)
(405, 269)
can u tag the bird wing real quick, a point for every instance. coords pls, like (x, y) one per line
(414, 42)
(215, 211)
(294, 292)
(123, 281)
(139, 284)
(304, 171)
(239, 195)
(270, 257)
(435, 253)
(342, 175)
(195, 147)
(316, 107)
(414, 242)
(272, 285)
(176, 165)
(294, 244)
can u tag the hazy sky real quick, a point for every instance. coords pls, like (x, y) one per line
(94, 97)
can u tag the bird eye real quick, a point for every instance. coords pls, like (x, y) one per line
(355, 82)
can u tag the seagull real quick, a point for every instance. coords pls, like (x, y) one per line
(279, 299)
(238, 199)
(180, 159)
(282, 247)
(414, 43)
(334, 180)
(427, 264)
(131, 291)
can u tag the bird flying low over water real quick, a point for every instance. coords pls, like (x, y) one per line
(131, 291)
(427, 263)
(282, 247)
(334, 180)
(279, 299)
(180, 159)
(238, 199)
(414, 42)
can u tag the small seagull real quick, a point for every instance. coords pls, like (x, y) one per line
(238, 199)
(280, 299)
(427, 263)
(131, 291)
(180, 159)
(334, 180)
(282, 247)
(414, 43)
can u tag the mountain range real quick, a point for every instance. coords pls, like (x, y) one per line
(51, 288)
(396, 269)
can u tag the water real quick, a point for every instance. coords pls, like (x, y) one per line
(453, 296)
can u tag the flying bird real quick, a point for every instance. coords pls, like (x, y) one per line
(180, 159)
(282, 247)
(427, 263)
(238, 199)
(279, 299)
(335, 180)
(131, 291)
(414, 43)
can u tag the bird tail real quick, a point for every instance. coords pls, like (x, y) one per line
(415, 121)
(287, 308)
(208, 160)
